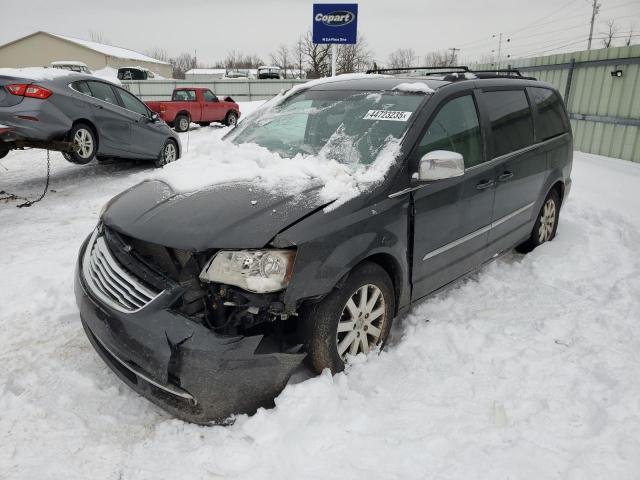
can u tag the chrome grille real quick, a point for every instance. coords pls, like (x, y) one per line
(110, 282)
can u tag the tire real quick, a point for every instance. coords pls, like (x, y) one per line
(168, 154)
(546, 226)
(335, 330)
(182, 123)
(231, 119)
(204, 124)
(86, 142)
(4, 151)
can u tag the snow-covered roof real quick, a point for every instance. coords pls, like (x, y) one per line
(69, 62)
(110, 50)
(206, 71)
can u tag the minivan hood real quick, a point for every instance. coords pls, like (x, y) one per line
(235, 215)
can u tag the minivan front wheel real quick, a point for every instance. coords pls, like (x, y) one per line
(354, 318)
(85, 144)
(544, 230)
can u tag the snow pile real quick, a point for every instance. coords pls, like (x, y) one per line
(108, 73)
(36, 73)
(414, 87)
(214, 162)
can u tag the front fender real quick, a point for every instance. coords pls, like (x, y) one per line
(330, 244)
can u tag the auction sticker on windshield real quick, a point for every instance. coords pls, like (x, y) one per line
(392, 115)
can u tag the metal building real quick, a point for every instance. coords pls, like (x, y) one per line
(41, 48)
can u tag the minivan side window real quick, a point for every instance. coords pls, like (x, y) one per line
(455, 128)
(551, 120)
(511, 120)
(102, 91)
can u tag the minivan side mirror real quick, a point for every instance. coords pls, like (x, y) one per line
(154, 117)
(440, 164)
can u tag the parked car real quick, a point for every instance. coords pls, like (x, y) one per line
(199, 105)
(71, 65)
(135, 73)
(99, 118)
(269, 72)
(205, 303)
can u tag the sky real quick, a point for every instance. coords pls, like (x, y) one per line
(211, 28)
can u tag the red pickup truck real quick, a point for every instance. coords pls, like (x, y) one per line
(199, 105)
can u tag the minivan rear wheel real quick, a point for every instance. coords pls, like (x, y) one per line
(85, 144)
(544, 230)
(354, 318)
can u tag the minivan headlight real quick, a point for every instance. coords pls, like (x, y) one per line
(259, 271)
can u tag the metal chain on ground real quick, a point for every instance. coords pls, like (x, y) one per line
(28, 203)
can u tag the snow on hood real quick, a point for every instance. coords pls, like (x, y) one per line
(36, 73)
(218, 162)
(414, 87)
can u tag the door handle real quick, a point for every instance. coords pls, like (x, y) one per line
(485, 184)
(98, 106)
(505, 176)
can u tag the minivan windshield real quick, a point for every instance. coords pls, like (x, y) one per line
(350, 127)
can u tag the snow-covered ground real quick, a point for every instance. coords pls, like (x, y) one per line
(530, 369)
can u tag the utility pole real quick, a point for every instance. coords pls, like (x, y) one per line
(594, 12)
(453, 55)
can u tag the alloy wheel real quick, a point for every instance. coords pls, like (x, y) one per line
(83, 141)
(361, 322)
(547, 221)
(184, 124)
(169, 154)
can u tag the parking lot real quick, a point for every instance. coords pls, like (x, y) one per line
(527, 369)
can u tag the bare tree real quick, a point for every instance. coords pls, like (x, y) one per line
(236, 59)
(609, 35)
(282, 58)
(627, 41)
(98, 37)
(298, 54)
(157, 53)
(183, 63)
(402, 58)
(440, 58)
(317, 56)
(354, 58)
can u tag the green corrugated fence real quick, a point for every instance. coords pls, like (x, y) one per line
(604, 109)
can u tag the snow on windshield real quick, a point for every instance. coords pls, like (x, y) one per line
(344, 143)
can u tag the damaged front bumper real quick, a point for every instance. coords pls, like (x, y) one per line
(178, 364)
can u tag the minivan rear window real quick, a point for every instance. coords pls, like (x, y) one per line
(551, 120)
(511, 121)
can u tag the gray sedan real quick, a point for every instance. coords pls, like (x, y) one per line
(98, 117)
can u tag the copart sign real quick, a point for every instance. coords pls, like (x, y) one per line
(335, 22)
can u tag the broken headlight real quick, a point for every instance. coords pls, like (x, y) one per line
(259, 271)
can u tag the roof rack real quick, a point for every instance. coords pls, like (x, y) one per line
(455, 71)
(441, 70)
